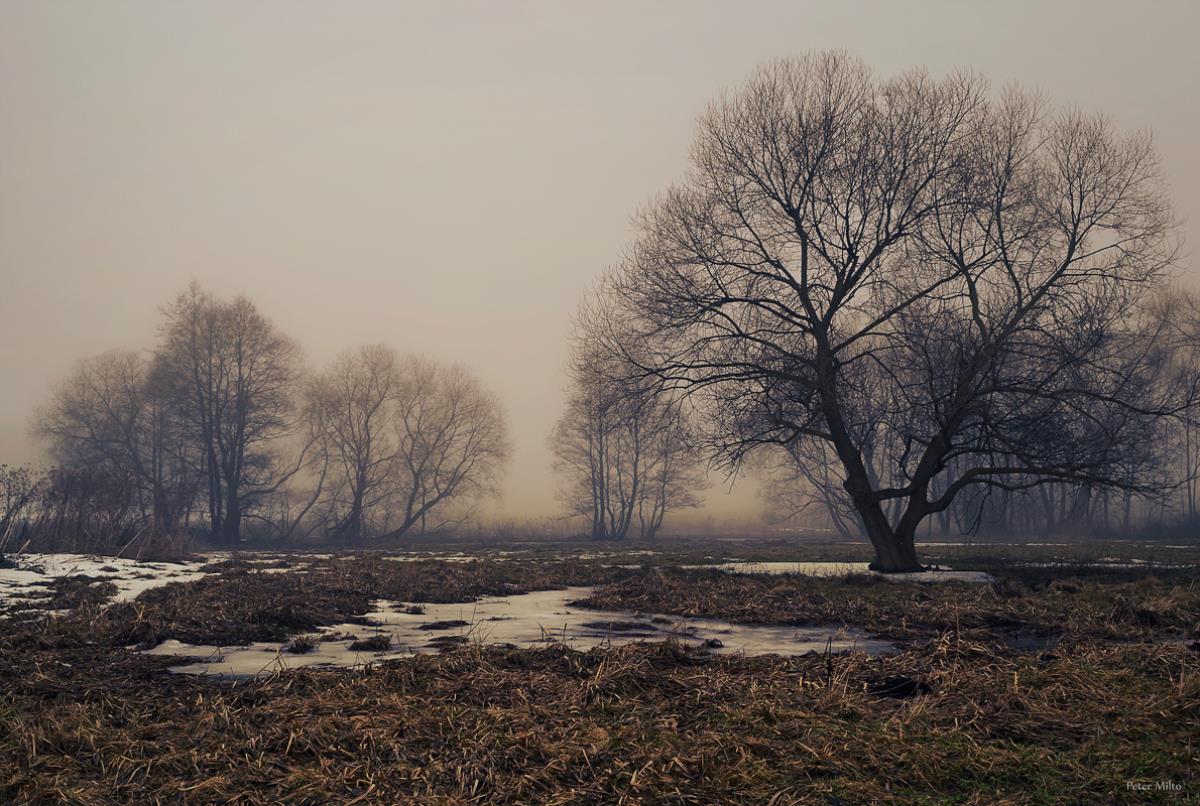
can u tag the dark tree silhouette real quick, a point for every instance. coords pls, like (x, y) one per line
(111, 416)
(940, 289)
(232, 376)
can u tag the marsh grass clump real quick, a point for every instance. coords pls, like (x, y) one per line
(380, 642)
(70, 593)
(337, 635)
(446, 624)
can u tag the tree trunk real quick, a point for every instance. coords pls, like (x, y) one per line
(895, 552)
(231, 526)
(895, 549)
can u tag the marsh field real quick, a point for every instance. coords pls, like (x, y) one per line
(675, 672)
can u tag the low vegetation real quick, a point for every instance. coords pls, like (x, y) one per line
(962, 713)
(1140, 607)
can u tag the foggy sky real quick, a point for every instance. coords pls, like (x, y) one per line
(446, 178)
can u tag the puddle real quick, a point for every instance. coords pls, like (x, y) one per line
(604, 555)
(815, 569)
(523, 620)
(837, 569)
(456, 557)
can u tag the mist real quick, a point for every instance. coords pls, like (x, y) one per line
(448, 180)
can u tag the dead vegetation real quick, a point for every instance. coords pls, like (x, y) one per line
(959, 715)
(1141, 606)
(640, 724)
(300, 645)
(380, 642)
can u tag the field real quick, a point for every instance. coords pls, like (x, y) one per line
(1069, 674)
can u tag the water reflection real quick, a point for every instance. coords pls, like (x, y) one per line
(523, 620)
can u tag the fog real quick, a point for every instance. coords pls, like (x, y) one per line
(444, 178)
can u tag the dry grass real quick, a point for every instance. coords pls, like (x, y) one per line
(957, 716)
(642, 724)
(1146, 608)
(380, 642)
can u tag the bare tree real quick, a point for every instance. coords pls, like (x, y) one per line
(353, 404)
(940, 288)
(626, 451)
(410, 446)
(232, 376)
(109, 416)
(450, 444)
(19, 491)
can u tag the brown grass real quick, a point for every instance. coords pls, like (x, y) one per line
(1142, 609)
(641, 724)
(957, 716)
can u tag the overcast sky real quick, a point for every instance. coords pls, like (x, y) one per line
(444, 177)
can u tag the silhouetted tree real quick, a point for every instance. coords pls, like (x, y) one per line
(627, 452)
(232, 377)
(411, 446)
(353, 404)
(451, 442)
(942, 289)
(109, 416)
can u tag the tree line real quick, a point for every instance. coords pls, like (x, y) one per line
(220, 430)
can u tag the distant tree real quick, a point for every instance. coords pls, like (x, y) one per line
(795, 483)
(942, 290)
(19, 490)
(109, 416)
(451, 441)
(627, 453)
(233, 378)
(353, 404)
(411, 446)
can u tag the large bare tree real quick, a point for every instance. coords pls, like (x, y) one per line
(233, 377)
(940, 287)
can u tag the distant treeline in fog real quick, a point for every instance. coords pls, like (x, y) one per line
(219, 430)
